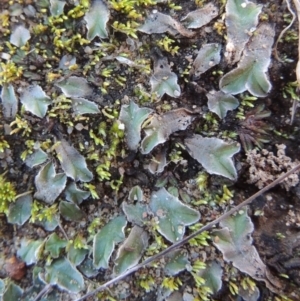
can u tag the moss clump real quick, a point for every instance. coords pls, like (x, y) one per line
(7, 194)
(40, 212)
(3, 144)
(9, 72)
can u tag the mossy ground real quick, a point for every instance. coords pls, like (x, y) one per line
(115, 168)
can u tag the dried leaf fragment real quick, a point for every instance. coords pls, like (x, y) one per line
(132, 249)
(208, 56)
(72, 162)
(49, 185)
(201, 16)
(162, 126)
(160, 23)
(250, 73)
(241, 20)
(15, 268)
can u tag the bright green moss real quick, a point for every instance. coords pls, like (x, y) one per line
(7, 194)
(9, 72)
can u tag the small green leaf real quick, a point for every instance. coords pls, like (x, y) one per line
(208, 56)
(36, 158)
(57, 7)
(214, 154)
(241, 19)
(235, 242)
(136, 214)
(53, 245)
(76, 255)
(38, 286)
(49, 185)
(13, 292)
(105, 240)
(82, 106)
(176, 262)
(174, 191)
(72, 162)
(162, 126)
(132, 116)
(250, 73)
(220, 102)
(96, 19)
(67, 61)
(49, 225)
(131, 251)
(35, 100)
(88, 269)
(9, 101)
(136, 194)
(164, 81)
(70, 211)
(20, 211)
(30, 250)
(212, 275)
(63, 274)
(20, 35)
(75, 195)
(201, 16)
(172, 215)
(74, 86)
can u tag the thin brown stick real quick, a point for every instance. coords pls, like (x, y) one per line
(43, 292)
(297, 5)
(186, 239)
(284, 31)
(295, 101)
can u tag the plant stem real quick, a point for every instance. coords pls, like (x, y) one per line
(23, 194)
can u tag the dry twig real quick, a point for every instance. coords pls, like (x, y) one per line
(297, 5)
(284, 30)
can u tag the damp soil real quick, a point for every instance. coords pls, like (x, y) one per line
(277, 226)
